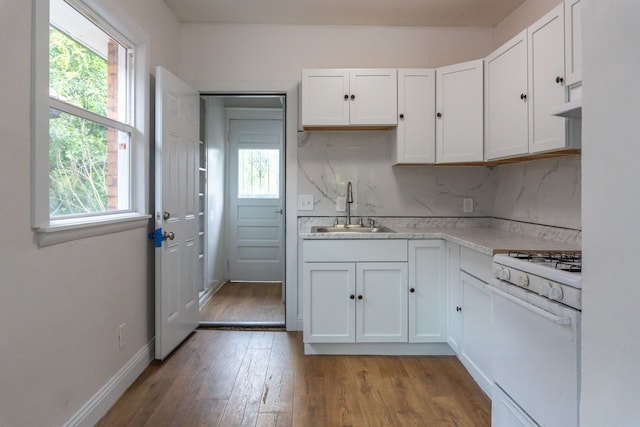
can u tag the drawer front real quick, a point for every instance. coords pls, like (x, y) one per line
(360, 250)
(476, 264)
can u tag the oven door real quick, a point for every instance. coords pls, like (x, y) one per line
(535, 356)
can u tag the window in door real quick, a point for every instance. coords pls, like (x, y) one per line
(258, 173)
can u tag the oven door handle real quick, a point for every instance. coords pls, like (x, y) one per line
(565, 321)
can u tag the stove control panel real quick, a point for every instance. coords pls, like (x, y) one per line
(542, 286)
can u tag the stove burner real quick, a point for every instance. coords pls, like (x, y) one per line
(571, 262)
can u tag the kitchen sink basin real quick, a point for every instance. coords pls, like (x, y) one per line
(351, 229)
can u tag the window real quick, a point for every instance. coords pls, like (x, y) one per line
(89, 131)
(258, 173)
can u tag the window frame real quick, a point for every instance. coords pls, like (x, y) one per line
(49, 230)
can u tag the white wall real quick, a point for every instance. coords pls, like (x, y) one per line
(60, 306)
(611, 212)
(528, 13)
(280, 52)
(216, 174)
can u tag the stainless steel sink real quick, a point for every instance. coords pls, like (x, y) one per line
(351, 229)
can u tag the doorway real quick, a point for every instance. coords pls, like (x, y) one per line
(244, 139)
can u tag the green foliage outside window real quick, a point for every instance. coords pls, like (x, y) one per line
(77, 147)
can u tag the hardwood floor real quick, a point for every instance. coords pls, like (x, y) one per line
(245, 302)
(242, 378)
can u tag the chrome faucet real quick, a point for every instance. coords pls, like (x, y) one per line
(349, 201)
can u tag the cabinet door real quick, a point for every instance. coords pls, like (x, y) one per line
(427, 296)
(329, 302)
(573, 41)
(325, 97)
(506, 113)
(546, 82)
(454, 297)
(381, 302)
(373, 97)
(459, 113)
(475, 351)
(416, 133)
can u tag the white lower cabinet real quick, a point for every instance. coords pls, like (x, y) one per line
(427, 291)
(454, 297)
(475, 348)
(356, 302)
(469, 312)
(355, 291)
(375, 292)
(329, 309)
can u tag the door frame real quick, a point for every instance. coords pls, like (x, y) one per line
(253, 113)
(290, 90)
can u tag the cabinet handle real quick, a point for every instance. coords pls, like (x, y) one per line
(359, 296)
(458, 308)
(346, 97)
(353, 97)
(352, 296)
(523, 96)
(559, 80)
(412, 290)
(439, 115)
(401, 116)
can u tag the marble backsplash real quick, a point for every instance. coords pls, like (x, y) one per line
(327, 161)
(540, 192)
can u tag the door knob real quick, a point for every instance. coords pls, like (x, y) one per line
(166, 215)
(170, 235)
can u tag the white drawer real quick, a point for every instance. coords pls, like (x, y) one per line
(359, 250)
(476, 264)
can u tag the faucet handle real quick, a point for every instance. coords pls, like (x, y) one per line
(336, 222)
(372, 222)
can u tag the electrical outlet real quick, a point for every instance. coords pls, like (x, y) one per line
(122, 339)
(341, 204)
(305, 202)
(467, 204)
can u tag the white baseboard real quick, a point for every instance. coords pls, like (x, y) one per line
(211, 289)
(100, 403)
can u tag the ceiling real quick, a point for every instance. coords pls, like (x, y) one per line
(454, 13)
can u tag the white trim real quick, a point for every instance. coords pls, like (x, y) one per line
(60, 232)
(54, 231)
(100, 403)
(395, 349)
(65, 107)
(290, 89)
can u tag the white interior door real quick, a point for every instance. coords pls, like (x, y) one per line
(256, 193)
(176, 215)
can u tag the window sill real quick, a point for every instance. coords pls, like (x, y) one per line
(61, 231)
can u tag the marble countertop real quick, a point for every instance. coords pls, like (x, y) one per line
(481, 239)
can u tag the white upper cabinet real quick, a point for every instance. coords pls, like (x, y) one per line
(415, 133)
(459, 113)
(573, 41)
(525, 79)
(325, 97)
(341, 97)
(546, 82)
(506, 94)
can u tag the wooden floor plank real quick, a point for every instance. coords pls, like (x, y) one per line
(245, 302)
(240, 378)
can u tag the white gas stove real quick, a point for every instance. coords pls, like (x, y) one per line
(536, 315)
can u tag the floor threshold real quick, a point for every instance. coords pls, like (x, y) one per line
(243, 325)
